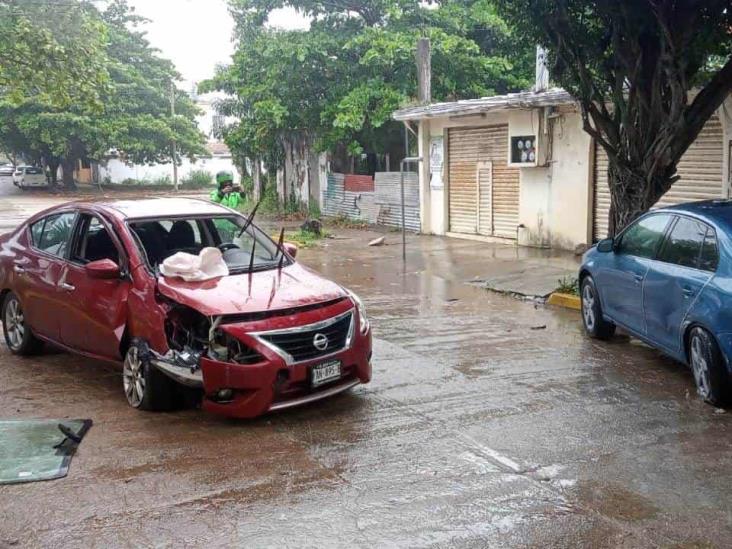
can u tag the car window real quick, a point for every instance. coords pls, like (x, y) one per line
(684, 243)
(643, 237)
(54, 238)
(94, 242)
(709, 258)
(36, 229)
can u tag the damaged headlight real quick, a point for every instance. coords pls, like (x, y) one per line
(363, 323)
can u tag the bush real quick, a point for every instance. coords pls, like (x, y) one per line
(162, 180)
(568, 285)
(197, 179)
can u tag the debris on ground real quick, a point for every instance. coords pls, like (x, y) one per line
(312, 226)
(35, 450)
(378, 241)
(542, 327)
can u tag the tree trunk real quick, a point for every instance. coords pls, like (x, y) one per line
(297, 168)
(257, 190)
(68, 165)
(631, 195)
(53, 165)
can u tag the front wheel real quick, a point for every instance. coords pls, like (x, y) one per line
(595, 325)
(146, 387)
(707, 365)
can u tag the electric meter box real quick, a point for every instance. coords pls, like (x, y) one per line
(527, 141)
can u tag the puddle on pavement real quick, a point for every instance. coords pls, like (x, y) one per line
(616, 502)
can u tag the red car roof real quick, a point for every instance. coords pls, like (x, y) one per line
(161, 207)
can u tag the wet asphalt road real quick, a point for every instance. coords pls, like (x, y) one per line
(489, 423)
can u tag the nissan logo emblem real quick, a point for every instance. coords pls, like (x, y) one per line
(320, 342)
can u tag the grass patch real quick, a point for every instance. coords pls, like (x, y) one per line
(302, 239)
(343, 222)
(568, 285)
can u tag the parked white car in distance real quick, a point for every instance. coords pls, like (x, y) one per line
(29, 176)
(6, 173)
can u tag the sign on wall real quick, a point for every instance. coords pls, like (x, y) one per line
(437, 158)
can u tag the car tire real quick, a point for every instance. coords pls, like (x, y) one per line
(18, 335)
(145, 387)
(595, 325)
(708, 367)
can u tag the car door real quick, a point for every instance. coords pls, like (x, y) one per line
(685, 264)
(95, 310)
(37, 270)
(620, 276)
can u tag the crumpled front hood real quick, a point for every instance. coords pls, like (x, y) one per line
(294, 286)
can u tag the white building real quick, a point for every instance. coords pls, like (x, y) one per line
(219, 158)
(520, 166)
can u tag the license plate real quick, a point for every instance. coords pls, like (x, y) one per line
(328, 371)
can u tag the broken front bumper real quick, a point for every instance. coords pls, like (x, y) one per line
(276, 382)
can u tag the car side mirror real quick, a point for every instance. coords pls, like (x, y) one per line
(606, 246)
(104, 269)
(290, 248)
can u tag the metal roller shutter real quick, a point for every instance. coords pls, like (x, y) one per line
(485, 198)
(469, 147)
(700, 169)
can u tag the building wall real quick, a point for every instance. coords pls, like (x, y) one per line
(118, 171)
(554, 199)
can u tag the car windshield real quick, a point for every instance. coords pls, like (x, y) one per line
(161, 238)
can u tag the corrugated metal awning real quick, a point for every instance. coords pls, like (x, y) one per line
(520, 100)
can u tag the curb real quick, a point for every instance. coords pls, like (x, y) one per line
(567, 301)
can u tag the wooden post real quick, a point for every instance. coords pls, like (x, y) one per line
(174, 151)
(424, 71)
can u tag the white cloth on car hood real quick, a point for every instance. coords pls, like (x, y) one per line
(208, 264)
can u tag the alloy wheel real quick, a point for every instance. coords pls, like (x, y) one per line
(14, 324)
(588, 304)
(700, 367)
(133, 377)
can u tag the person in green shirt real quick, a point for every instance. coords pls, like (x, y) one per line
(227, 194)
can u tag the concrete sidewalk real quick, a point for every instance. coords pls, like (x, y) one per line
(502, 267)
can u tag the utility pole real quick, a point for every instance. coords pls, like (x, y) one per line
(424, 71)
(174, 148)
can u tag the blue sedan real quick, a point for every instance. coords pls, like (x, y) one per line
(667, 280)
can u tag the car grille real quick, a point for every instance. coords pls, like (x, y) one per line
(299, 343)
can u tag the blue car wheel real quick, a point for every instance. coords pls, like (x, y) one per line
(708, 367)
(595, 325)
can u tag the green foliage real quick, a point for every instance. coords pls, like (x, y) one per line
(568, 285)
(129, 111)
(54, 54)
(197, 179)
(340, 80)
(314, 210)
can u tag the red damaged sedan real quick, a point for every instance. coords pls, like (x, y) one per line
(268, 335)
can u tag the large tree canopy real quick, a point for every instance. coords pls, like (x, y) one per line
(129, 111)
(53, 52)
(337, 83)
(648, 74)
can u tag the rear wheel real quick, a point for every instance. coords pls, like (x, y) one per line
(708, 367)
(18, 335)
(146, 387)
(592, 319)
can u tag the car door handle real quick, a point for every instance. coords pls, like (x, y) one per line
(638, 278)
(67, 286)
(688, 292)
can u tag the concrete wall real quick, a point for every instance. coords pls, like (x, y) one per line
(117, 171)
(725, 115)
(554, 199)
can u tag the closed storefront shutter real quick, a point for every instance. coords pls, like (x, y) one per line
(700, 170)
(479, 204)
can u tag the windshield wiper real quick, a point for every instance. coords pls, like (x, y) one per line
(250, 219)
(281, 249)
